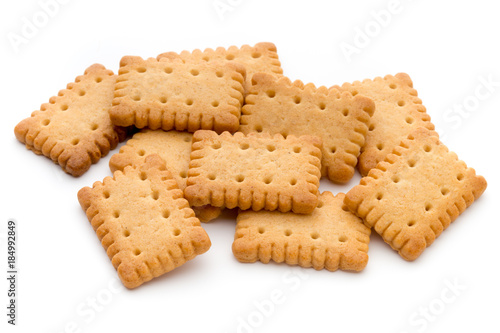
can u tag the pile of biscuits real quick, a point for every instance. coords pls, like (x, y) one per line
(224, 128)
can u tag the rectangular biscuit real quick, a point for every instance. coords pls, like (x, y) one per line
(173, 94)
(255, 171)
(415, 193)
(74, 129)
(399, 112)
(260, 58)
(174, 148)
(339, 119)
(331, 237)
(143, 221)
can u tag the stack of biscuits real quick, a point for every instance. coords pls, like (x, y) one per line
(223, 129)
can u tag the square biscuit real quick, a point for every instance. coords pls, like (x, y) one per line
(255, 171)
(143, 222)
(174, 148)
(331, 237)
(399, 112)
(339, 119)
(74, 129)
(260, 58)
(173, 94)
(415, 193)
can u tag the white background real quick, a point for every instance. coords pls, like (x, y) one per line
(445, 46)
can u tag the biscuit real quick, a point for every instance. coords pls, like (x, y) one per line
(170, 94)
(330, 238)
(143, 222)
(415, 193)
(74, 129)
(173, 147)
(261, 58)
(255, 171)
(399, 112)
(341, 120)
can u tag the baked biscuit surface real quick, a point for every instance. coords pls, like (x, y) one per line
(174, 148)
(340, 119)
(143, 222)
(255, 171)
(172, 94)
(399, 112)
(74, 129)
(330, 238)
(415, 193)
(260, 58)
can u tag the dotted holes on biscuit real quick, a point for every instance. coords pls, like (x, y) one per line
(141, 70)
(256, 55)
(427, 148)
(371, 128)
(64, 107)
(155, 195)
(189, 101)
(212, 176)
(395, 179)
(345, 112)
(168, 70)
(314, 235)
(293, 181)
(258, 128)
(268, 180)
(261, 230)
(322, 106)
(98, 80)
(219, 74)
(74, 142)
(270, 148)
(297, 99)
(215, 104)
(288, 232)
(411, 163)
(94, 127)
(343, 239)
(82, 93)
(163, 100)
(116, 214)
(46, 122)
(380, 196)
(270, 93)
(401, 103)
(195, 72)
(320, 204)
(141, 152)
(333, 150)
(165, 214)
(428, 207)
(177, 232)
(106, 194)
(230, 57)
(244, 146)
(411, 223)
(126, 233)
(460, 177)
(143, 176)
(183, 174)
(380, 146)
(444, 191)
(392, 86)
(297, 150)
(240, 178)
(216, 145)
(136, 98)
(137, 252)
(409, 120)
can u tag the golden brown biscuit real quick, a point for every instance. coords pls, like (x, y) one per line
(143, 221)
(415, 193)
(74, 129)
(255, 171)
(171, 94)
(399, 112)
(174, 148)
(330, 238)
(279, 106)
(260, 58)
